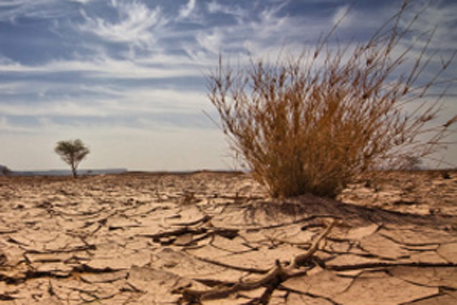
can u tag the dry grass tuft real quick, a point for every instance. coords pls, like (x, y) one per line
(310, 124)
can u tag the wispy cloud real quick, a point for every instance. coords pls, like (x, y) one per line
(105, 67)
(40, 9)
(187, 9)
(135, 23)
(211, 41)
(342, 16)
(234, 10)
(81, 1)
(438, 19)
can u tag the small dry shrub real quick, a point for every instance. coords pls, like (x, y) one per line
(5, 171)
(310, 124)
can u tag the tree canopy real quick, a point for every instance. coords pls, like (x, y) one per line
(72, 152)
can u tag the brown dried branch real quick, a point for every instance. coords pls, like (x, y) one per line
(276, 275)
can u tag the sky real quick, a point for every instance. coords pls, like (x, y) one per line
(128, 78)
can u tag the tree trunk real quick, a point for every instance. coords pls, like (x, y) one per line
(73, 170)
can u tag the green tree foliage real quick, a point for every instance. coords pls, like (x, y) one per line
(72, 152)
(311, 124)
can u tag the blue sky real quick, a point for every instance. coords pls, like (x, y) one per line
(128, 77)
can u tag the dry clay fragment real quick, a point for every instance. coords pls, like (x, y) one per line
(13, 254)
(427, 276)
(156, 284)
(6, 230)
(121, 222)
(19, 239)
(292, 234)
(123, 261)
(381, 289)
(189, 216)
(67, 289)
(236, 217)
(187, 266)
(76, 290)
(34, 292)
(102, 292)
(168, 258)
(339, 247)
(104, 277)
(449, 252)
(3, 258)
(383, 247)
(230, 245)
(299, 299)
(56, 268)
(241, 298)
(235, 300)
(326, 284)
(448, 298)
(260, 259)
(428, 247)
(48, 300)
(184, 239)
(369, 288)
(353, 261)
(45, 241)
(419, 237)
(6, 291)
(14, 273)
(51, 256)
(361, 232)
(427, 257)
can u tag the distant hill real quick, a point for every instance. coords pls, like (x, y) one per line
(83, 172)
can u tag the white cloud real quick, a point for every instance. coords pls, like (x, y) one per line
(342, 16)
(10, 88)
(40, 9)
(251, 34)
(438, 18)
(96, 101)
(104, 66)
(237, 11)
(82, 1)
(211, 41)
(187, 9)
(54, 109)
(137, 24)
(16, 3)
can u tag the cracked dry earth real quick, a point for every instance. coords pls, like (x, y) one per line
(215, 238)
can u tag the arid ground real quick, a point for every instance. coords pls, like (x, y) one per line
(216, 238)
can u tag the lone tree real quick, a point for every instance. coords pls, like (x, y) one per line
(310, 124)
(72, 152)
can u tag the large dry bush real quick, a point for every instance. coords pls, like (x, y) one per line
(309, 124)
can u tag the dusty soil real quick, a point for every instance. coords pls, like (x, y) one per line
(216, 238)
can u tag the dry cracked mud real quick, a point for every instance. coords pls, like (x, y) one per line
(216, 238)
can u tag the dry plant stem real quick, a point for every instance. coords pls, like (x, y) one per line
(276, 275)
(301, 259)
